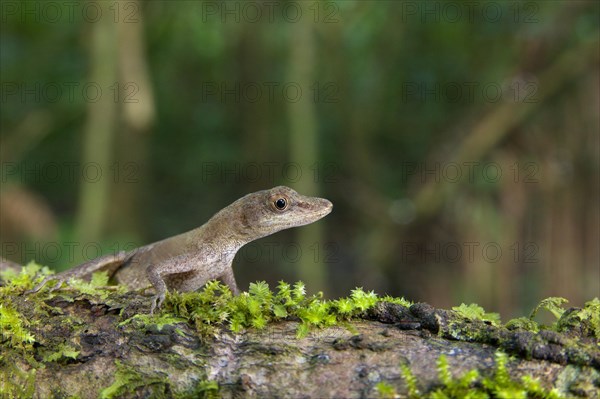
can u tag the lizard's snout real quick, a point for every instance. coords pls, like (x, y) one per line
(327, 205)
(323, 207)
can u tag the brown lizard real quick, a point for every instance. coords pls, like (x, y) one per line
(188, 261)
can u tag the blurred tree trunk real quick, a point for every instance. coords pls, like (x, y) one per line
(557, 245)
(590, 211)
(501, 121)
(304, 145)
(360, 121)
(136, 101)
(256, 115)
(99, 132)
(571, 195)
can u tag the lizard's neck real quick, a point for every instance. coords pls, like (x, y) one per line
(228, 229)
(256, 215)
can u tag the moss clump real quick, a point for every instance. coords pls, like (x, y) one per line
(15, 383)
(205, 389)
(158, 320)
(552, 305)
(471, 384)
(522, 323)
(64, 351)
(476, 312)
(128, 380)
(411, 381)
(215, 307)
(386, 391)
(13, 328)
(131, 382)
(97, 286)
(578, 322)
(21, 327)
(16, 283)
(585, 321)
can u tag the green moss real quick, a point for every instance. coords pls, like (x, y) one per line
(476, 312)
(16, 337)
(552, 305)
(129, 380)
(63, 351)
(411, 381)
(397, 300)
(215, 307)
(472, 385)
(386, 391)
(30, 275)
(159, 320)
(13, 328)
(581, 381)
(97, 286)
(522, 323)
(461, 387)
(205, 389)
(14, 383)
(587, 320)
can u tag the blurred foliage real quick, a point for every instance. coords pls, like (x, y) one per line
(403, 93)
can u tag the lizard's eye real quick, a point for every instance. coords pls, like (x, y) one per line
(280, 204)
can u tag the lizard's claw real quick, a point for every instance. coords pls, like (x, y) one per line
(157, 301)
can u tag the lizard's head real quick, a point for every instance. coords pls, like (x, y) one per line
(268, 211)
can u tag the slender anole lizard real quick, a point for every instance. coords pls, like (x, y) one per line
(188, 261)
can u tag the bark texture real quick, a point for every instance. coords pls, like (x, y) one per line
(140, 360)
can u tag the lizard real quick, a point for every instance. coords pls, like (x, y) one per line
(187, 261)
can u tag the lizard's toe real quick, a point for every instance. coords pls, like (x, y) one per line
(157, 302)
(38, 287)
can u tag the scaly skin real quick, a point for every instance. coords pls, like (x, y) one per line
(187, 261)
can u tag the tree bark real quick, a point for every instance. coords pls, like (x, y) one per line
(139, 360)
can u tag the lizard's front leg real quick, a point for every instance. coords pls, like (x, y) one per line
(153, 274)
(229, 279)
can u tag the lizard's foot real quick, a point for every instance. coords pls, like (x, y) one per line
(44, 282)
(157, 301)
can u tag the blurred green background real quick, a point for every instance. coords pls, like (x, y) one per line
(458, 141)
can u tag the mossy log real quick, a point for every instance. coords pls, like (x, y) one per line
(91, 347)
